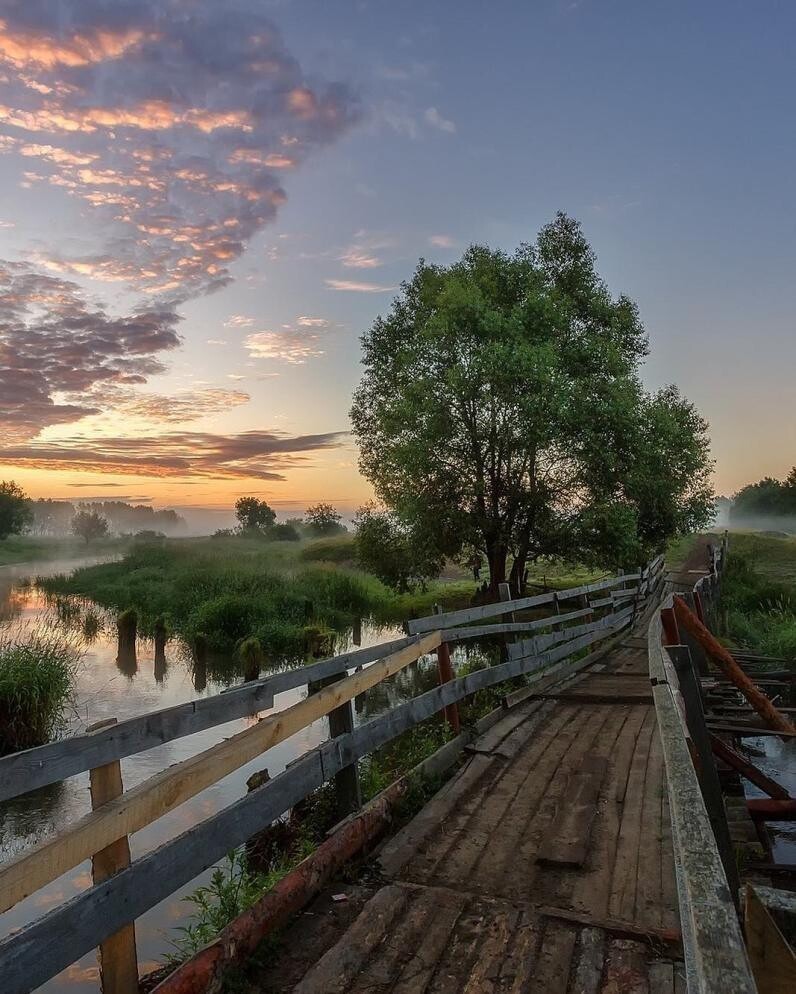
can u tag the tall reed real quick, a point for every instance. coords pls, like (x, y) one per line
(37, 673)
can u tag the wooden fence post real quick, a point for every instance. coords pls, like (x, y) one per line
(504, 591)
(671, 635)
(445, 675)
(117, 954)
(347, 788)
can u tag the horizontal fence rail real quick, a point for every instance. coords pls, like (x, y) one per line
(51, 763)
(468, 614)
(715, 954)
(166, 790)
(45, 947)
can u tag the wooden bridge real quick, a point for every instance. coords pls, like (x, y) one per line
(572, 851)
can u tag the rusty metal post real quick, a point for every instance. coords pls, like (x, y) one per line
(445, 669)
(117, 954)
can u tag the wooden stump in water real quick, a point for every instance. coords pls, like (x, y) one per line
(200, 653)
(252, 657)
(161, 637)
(127, 627)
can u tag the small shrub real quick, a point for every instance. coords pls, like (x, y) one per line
(339, 549)
(282, 533)
(91, 626)
(233, 888)
(36, 683)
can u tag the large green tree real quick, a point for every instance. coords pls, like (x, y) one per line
(500, 409)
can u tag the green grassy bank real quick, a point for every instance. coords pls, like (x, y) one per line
(759, 594)
(227, 589)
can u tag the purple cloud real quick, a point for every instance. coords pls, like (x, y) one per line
(176, 124)
(263, 455)
(55, 348)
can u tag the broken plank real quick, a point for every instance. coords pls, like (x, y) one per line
(669, 940)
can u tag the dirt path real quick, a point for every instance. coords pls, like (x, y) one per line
(544, 866)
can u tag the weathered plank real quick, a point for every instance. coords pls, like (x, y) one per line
(34, 768)
(163, 792)
(511, 627)
(568, 840)
(500, 608)
(715, 953)
(539, 643)
(591, 958)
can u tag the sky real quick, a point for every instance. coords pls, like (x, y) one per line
(205, 205)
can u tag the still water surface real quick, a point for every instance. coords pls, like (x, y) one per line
(105, 689)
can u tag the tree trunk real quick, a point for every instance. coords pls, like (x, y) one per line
(517, 575)
(496, 555)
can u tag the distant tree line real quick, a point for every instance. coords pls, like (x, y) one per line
(257, 518)
(54, 517)
(19, 514)
(769, 498)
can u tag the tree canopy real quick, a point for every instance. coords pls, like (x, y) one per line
(501, 410)
(15, 510)
(89, 525)
(768, 498)
(393, 551)
(254, 514)
(323, 519)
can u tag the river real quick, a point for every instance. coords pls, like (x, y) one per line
(104, 689)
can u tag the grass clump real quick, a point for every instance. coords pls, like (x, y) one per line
(233, 588)
(336, 549)
(227, 590)
(233, 888)
(36, 683)
(758, 610)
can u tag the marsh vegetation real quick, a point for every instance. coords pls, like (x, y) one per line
(759, 595)
(36, 683)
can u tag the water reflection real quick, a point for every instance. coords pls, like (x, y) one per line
(120, 679)
(778, 760)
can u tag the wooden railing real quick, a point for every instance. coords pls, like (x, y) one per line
(102, 914)
(715, 955)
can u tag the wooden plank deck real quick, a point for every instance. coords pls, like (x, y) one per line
(494, 887)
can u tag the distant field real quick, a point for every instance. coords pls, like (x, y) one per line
(759, 594)
(773, 556)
